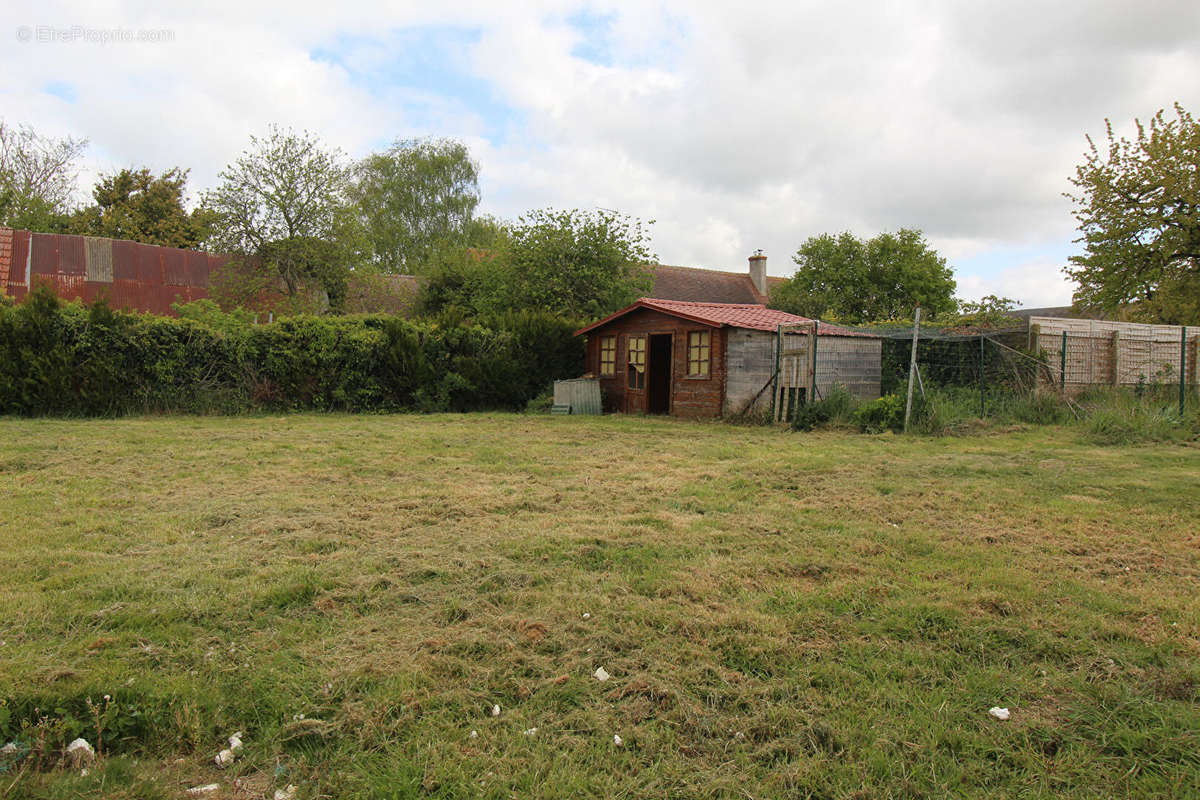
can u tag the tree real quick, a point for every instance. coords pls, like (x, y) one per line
(37, 178)
(284, 207)
(1138, 208)
(577, 264)
(136, 205)
(878, 279)
(415, 198)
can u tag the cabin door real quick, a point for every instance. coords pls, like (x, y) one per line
(658, 379)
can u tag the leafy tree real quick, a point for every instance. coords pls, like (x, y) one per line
(576, 263)
(883, 278)
(37, 178)
(415, 198)
(1138, 207)
(136, 205)
(284, 207)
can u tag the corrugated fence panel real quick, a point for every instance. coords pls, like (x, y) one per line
(197, 268)
(124, 260)
(99, 259)
(20, 259)
(149, 264)
(44, 258)
(175, 272)
(72, 257)
(70, 287)
(125, 295)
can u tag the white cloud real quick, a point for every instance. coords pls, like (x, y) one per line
(734, 127)
(1033, 284)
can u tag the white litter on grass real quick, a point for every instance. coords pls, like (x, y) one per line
(495, 711)
(999, 713)
(224, 758)
(586, 615)
(285, 794)
(531, 732)
(200, 791)
(80, 752)
(235, 742)
(474, 734)
(11, 747)
(601, 674)
(83, 773)
(617, 740)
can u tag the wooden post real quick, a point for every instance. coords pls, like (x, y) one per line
(812, 378)
(1062, 365)
(912, 367)
(775, 387)
(1035, 335)
(1116, 358)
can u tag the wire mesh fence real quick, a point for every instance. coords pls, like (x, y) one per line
(1045, 371)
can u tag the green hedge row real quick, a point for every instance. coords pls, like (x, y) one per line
(58, 359)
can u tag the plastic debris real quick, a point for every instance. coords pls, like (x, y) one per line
(83, 773)
(617, 740)
(474, 734)
(235, 742)
(999, 713)
(80, 752)
(224, 758)
(495, 711)
(9, 748)
(287, 793)
(601, 674)
(531, 732)
(586, 615)
(201, 791)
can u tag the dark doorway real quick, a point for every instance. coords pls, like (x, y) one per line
(658, 382)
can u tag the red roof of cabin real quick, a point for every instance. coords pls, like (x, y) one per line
(734, 315)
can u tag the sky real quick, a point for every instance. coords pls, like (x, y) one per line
(734, 129)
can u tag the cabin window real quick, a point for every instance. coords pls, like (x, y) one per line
(699, 354)
(637, 362)
(608, 355)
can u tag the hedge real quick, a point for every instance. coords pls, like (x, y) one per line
(72, 359)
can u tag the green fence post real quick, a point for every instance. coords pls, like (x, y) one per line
(1182, 368)
(1062, 365)
(982, 379)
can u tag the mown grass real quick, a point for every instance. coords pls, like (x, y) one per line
(783, 614)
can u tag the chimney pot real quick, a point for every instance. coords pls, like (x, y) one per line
(758, 272)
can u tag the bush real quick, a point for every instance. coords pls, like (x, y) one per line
(60, 359)
(884, 413)
(836, 406)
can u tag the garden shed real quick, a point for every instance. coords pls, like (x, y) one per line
(719, 359)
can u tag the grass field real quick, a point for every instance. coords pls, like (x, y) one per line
(783, 615)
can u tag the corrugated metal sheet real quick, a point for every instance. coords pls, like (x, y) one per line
(99, 259)
(175, 271)
(44, 254)
(20, 259)
(124, 260)
(582, 395)
(72, 255)
(149, 261)
(197, 268)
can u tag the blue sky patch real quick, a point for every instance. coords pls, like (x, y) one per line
(60, 89)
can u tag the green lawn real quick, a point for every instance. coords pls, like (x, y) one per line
(783, 615)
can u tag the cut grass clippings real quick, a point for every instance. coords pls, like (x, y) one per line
(781, 614)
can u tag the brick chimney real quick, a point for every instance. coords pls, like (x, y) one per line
(758, 272)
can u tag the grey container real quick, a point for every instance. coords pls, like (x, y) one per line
(582, 395)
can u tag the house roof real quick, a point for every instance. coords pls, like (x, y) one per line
(706, 285)
(753, 316)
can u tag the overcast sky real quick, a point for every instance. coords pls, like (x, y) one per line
(733, 128)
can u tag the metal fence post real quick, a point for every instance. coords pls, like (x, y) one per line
(982, 379)
(1062, 365)
(812, 385)
(1182, 368)
(912, 366)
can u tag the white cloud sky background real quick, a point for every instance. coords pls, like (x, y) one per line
(735, 129)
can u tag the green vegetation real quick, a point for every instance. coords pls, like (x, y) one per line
(76, 360)
(880, 279)
(807, 615)
(1138, 208)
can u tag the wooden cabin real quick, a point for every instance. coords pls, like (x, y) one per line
(694, 359)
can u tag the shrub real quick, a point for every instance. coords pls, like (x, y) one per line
(73, 359)
(884, 413)
(836, 406)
